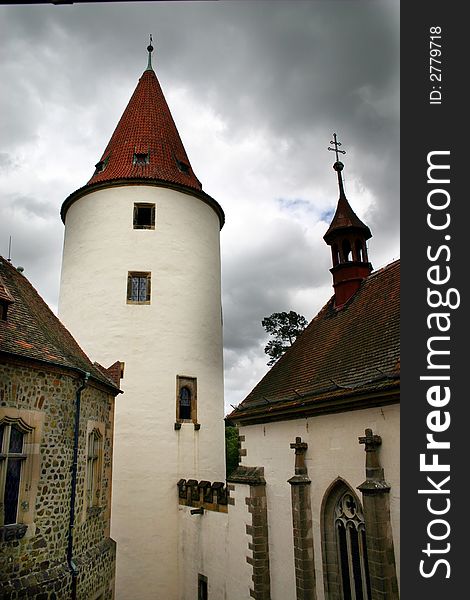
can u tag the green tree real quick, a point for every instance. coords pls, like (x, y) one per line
(231, 449)
(285, 327)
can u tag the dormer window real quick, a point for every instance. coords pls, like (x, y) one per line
(101, 165)
(183, 167)
(5, 300)
(3, 309)
(141, 159)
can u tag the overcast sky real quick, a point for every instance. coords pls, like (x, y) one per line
(256, 90)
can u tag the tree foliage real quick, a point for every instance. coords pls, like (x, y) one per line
(231, 449)
(285, 327)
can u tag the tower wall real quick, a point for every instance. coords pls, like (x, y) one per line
(178, 333)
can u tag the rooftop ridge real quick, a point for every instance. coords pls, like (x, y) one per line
(33, 331)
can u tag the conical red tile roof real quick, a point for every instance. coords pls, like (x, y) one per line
(146, 128)
(146, 148)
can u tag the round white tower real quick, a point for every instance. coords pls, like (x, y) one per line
(141, 281)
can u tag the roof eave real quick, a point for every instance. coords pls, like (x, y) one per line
(39, 363)
(142, 181)
(314, 406)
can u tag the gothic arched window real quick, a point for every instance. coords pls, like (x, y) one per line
(345, 565)
(186, 400)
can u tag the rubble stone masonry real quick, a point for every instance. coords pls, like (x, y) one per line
(34, 563)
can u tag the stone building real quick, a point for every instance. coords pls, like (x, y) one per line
(56, 444)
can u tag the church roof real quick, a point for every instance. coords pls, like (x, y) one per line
(32, 331)
(345, 218)
(346, 358)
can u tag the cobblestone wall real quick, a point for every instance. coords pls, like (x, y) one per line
(35, 566)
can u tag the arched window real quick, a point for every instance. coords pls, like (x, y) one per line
(335, 254)
(185, 403)
(359, 251)
(346, 251)
(345, 565)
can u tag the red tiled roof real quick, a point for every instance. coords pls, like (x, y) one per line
(32, 331)
(346, 218)
(147, 126)
(342, 353)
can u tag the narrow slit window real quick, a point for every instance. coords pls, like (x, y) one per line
(138, 287)
(202, 590)
(144, 216)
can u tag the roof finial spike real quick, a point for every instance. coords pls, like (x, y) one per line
(338, 166)
(150, 50)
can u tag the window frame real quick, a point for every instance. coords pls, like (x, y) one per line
(335, 523)
(94, 468)
(183, 381)
(31, 424)
(153, 211)
(6, 457)
(141, 275)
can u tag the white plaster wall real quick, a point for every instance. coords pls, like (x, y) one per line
(179, 333)
(333, 451)
(239, 572)
(216, 545)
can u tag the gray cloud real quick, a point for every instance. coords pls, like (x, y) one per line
(280, 78)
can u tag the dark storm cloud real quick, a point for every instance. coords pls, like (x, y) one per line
(286, 74)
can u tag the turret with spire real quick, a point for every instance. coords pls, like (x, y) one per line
(142, 241)
(145, 148)
(347, 236)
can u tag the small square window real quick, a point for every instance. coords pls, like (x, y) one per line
(138, 287)
(144, 216)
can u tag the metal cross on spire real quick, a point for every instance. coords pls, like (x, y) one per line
(338, 166)
(336, 147)
(150, 50)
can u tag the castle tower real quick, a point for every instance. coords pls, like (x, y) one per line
(347, 235)
(141, 282)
